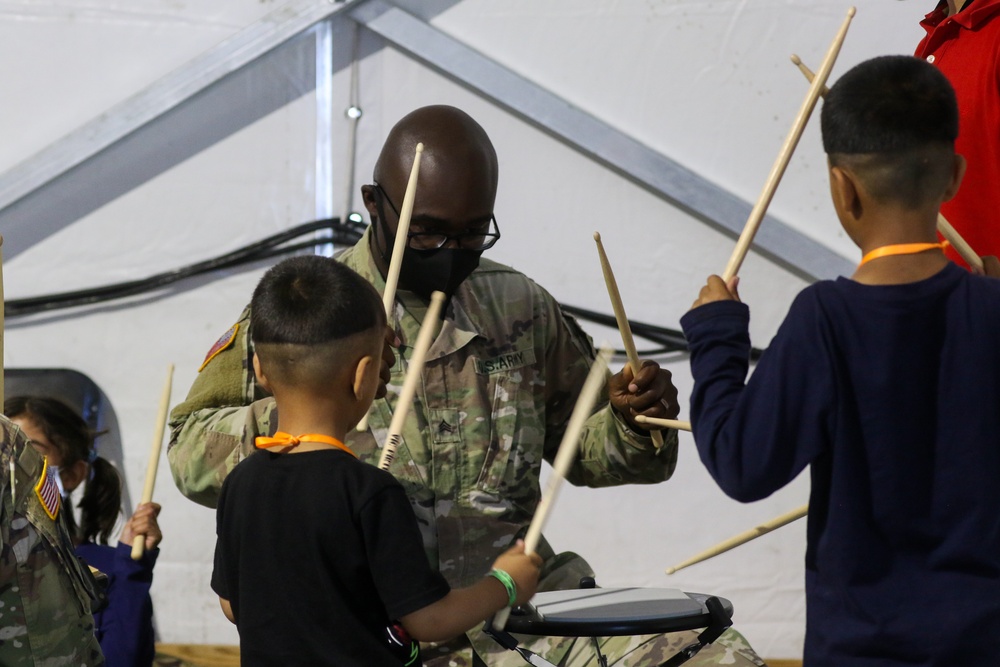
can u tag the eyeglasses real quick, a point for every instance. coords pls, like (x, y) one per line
(474, 240)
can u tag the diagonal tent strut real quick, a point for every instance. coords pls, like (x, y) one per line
(245, 77)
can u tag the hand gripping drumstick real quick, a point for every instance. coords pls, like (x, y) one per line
(139, 541)
(944, 227)
(778, 170)
(667, 423)
(398, 246)
(424, 338)
(564, 459)
(623, 325)
(742, 538)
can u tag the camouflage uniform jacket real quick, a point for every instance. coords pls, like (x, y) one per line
(498, 386)
(45, 594)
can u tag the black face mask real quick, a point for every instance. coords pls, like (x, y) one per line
(442, 269)
(425, 271)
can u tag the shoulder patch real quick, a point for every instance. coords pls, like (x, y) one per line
(48, 491)
(224, 343)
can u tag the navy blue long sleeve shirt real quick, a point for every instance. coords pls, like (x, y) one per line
(125, 627)
(891, 395)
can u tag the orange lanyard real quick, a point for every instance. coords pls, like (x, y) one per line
(901, 249)
(282, 439)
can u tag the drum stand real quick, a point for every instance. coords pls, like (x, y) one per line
(574, 614)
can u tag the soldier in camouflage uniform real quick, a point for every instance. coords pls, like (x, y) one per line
(45, 593)
(498, 386)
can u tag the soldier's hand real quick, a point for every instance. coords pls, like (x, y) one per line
(388, 359)
(650, 393)
(143, 522)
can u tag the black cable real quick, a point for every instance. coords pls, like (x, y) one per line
(670, 340)
(343, 233)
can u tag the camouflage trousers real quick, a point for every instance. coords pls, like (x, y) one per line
(639, 651)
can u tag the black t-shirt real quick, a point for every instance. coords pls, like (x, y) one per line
(317, 552)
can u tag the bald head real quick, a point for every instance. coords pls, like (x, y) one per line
(457, 153)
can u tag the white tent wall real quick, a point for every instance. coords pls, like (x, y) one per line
(707, 84)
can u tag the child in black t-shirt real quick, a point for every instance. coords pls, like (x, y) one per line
(319, 554)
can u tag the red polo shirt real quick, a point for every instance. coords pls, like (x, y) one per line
(966, 48)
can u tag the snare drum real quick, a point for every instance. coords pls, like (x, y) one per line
(606, 612)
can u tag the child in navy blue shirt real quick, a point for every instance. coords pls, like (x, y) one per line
(886, 384)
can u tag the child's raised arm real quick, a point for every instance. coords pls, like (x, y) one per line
(514, 583)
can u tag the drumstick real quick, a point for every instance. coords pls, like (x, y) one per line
(398, 246)
(944, 227)
(424, 338)
(564, 459)
(743, 538)
(778, 170)
(623, 325)
(958, 243)
(402, 229)
(807, 73)
(667, 423)
(139, 541)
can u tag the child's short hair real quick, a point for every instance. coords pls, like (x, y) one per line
(309, 318)
(893, 120)
(311, 300)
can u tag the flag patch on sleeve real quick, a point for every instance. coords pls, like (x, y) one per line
(48, 491)
(225, 342)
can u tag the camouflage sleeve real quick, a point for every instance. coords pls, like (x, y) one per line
(213, 429)
(610, 452)
(45, 591)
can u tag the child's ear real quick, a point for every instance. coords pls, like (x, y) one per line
(845, 194)
(261, 378)
(958, 172)
(364, 378)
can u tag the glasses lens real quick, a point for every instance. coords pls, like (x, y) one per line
(427, 241)
(478, 240)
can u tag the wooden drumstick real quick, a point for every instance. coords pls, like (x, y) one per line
(807, 73)
(564, 459)
(623, 326)
(402, 229)
(958, 243)
(424, 339)
(944, 227)
(743, 538)
(666, 423)
(139, 541)
(778, 170)
(398, 246)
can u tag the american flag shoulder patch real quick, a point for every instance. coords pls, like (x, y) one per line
(224, 342)
(48, 491)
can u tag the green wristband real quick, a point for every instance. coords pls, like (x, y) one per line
(508, 583)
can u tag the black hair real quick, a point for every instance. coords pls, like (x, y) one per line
(889, 104)
(894, 119)
(70, 434)
(310, 300)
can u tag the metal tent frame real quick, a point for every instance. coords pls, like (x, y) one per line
(236, 83)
